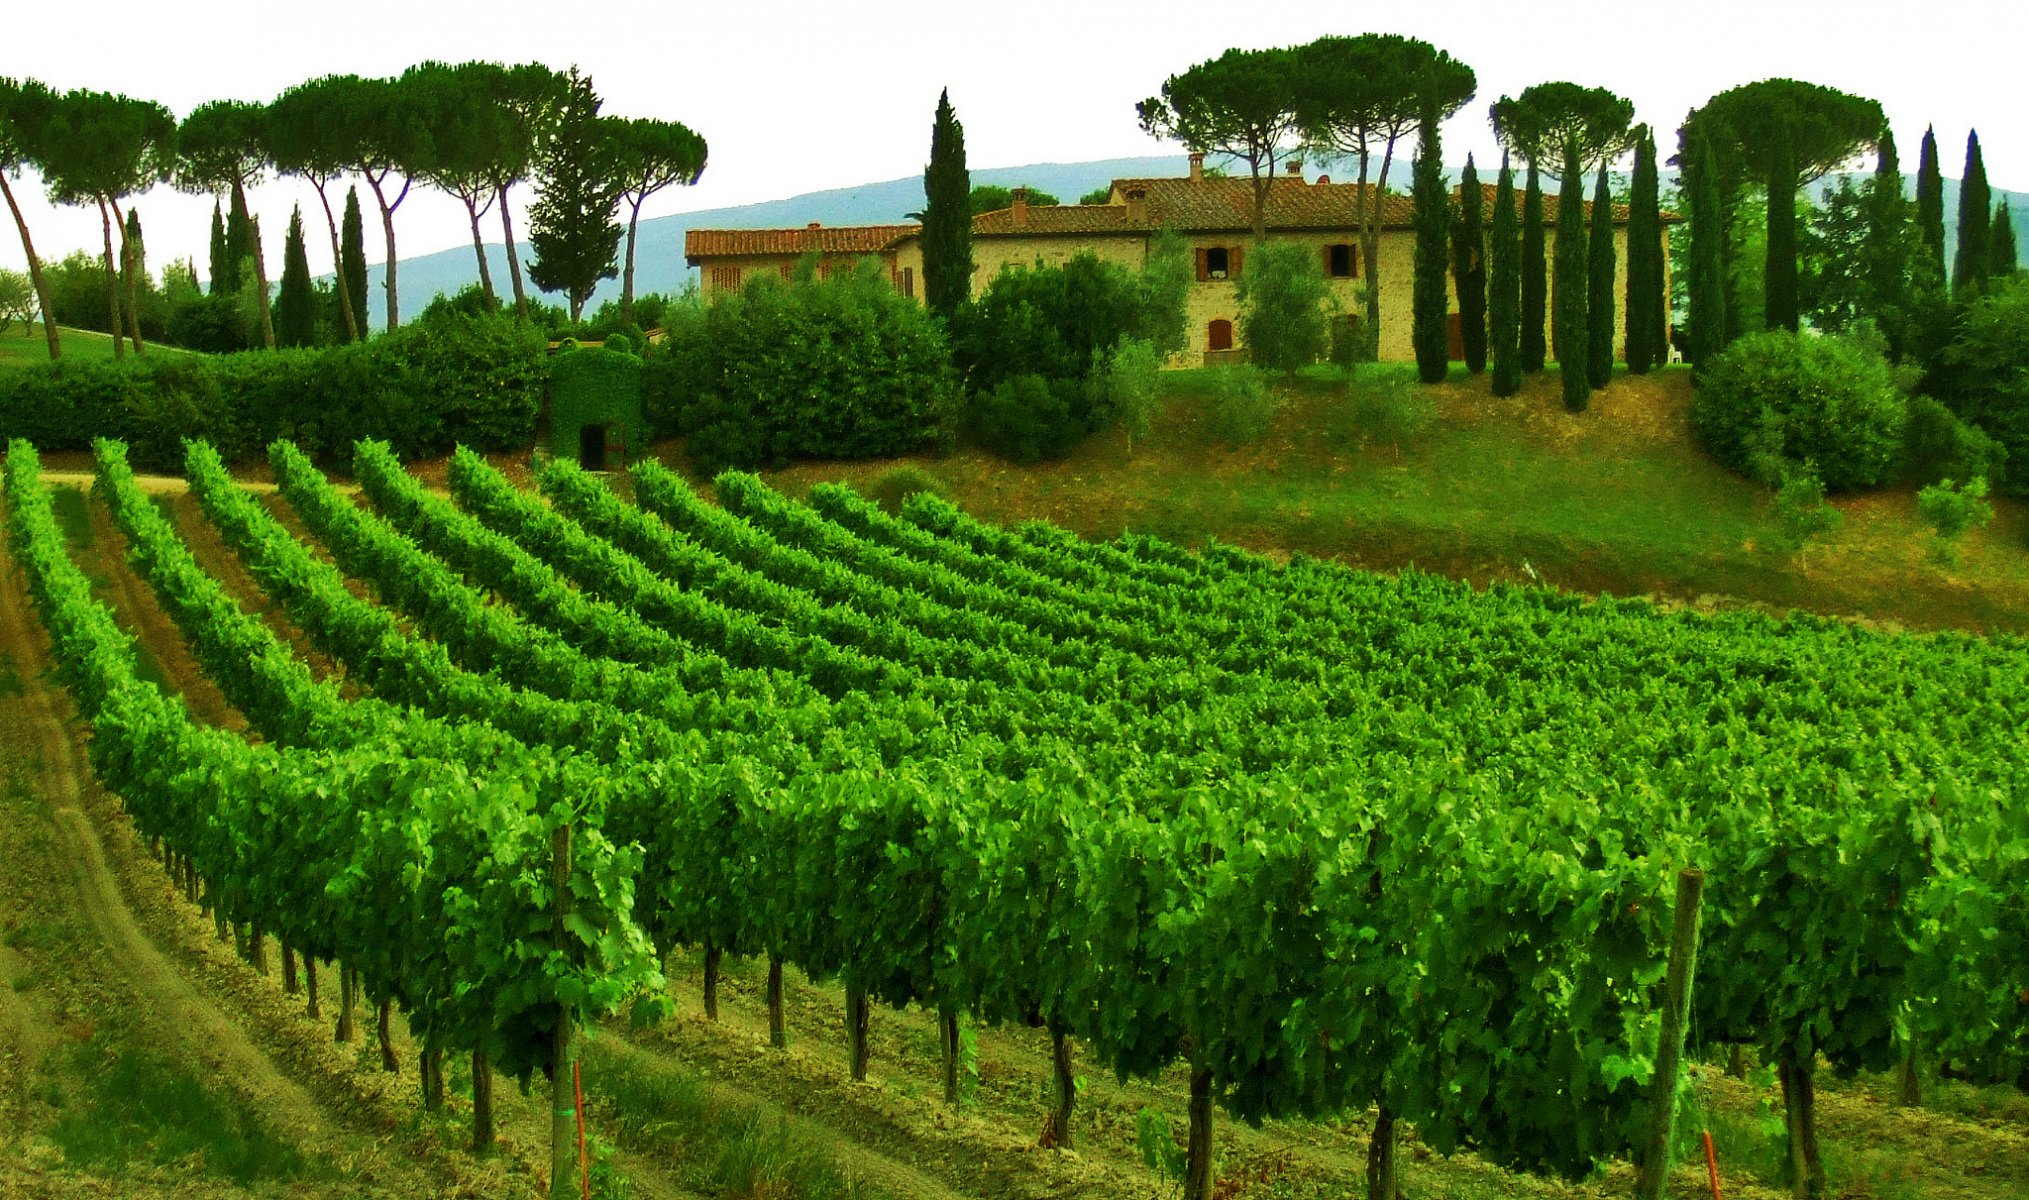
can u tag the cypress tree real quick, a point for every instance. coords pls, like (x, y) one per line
(1535, 276)
(1647, 337)
(2004, 260)
(220, 270)
(1901, 286)
(1432, 203)
(1599, 287)
(1707, 282)
(947, 215)
(1969, 267)
(239, 243)
(135, 244)
(1568, 284)
(1930, 200)
(1779, 273)
(352, 261)
(1504, 298)
(1469, 268)
(296, 304)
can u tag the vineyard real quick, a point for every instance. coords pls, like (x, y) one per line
(1332, 842)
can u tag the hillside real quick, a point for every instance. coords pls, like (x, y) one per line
(659, 265)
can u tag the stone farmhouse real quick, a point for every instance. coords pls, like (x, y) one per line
(1214, 214)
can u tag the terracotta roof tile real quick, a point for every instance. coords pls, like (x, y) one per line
(1049, 219)
(824, 239)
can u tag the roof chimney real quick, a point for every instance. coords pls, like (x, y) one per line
(1295, 168)
(1137, 205)
(812, 225)
(1197, 166)
(1020, 209)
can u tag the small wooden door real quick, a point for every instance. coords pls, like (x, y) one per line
(1219, 335)
(1454, 338)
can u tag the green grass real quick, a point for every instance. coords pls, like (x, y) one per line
(79, 345)
(137, 1105)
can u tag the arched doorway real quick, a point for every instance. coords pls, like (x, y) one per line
(592, 447)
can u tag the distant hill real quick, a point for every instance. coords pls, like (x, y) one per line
(659, 265)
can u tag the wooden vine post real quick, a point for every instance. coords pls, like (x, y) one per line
(857, 1014)
(563, 1089)
(1065, 1091)
(778, 1027)
(482, 1102)
(1655, 1159)
(1198, 1173)
(949, 1042)
(712, 956)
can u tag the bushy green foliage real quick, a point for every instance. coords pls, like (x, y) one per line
(843, 367)
(1940, 444)
(1128, 386)
(1389, 408)
(1028, 418)
(596, 385)
(1241, 407)
(1801, 397)
(1980, 374)
(1952, 509)
(893, 487)
(1282, 316)
(1800, 503)
(423, 389)
(1167, 276)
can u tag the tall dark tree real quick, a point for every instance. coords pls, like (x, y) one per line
(25, 107)
(223, 147)
(1599, 329)
(1504, 298)
(1898, 284)
(572, 225)
(1976, 251)
(239, 244)
(649, 156)
(1242, 103)
(2005, 258)
(1535, 276)
(221, 273)
(1568, 284)
(296, 305)
(1779, 288)
(352, 264)
(99, 149)
(1648, 343)
(1428, 302)
(1358, 98)
(1930, 199)
(137, 248)
(311, 137)
(947, 215)
(1469, 268)
(1706, 286)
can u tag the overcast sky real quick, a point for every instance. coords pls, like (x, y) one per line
(797, 97)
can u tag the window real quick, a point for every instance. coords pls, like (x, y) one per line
(1217, 262)
(1340, 262)
(905, 281)
(725, 279)
(787, 269)
(1219, 335)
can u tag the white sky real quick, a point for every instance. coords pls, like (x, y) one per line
(796, 97)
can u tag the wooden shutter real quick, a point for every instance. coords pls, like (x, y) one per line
(1353, 258)
(1327, 261)
(1233, 263)
(1204, 271)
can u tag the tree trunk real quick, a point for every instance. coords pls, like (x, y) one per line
(387, 224)
(1908, 1075)
(1383, 1182)
(113, 291)
(563, 1090)
(348, 992)
(432, 1067)
(127, 273)
(1736, 1061)
(479, 249)
(627, 280)
(260, 270)
(1198, 1174)
(353, 333)
(289, 985)
(257, 945)
(1662, 1118)
(1799, 1098)
(310, 987)
(388, 1061)
(778, 1029)
(856, 1021)
(948, 1042)
(1064, 1092)
(712, 954)
(482, 1102)
(513, 256)
(34, 272)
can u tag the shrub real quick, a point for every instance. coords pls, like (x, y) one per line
(892, 488)
(1028, 418)
(1282, 317)
(1940, 444)
(482, 377)
(1241, 407)
(1390, 408)
(1951, 510)
(1981, 374)
(1128, 388)
(843, 367)
(1056, 322)
(1800, 504)
(596, 385)
(1801, 397)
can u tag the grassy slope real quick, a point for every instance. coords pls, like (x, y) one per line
(81, 344)
(1617, 499)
